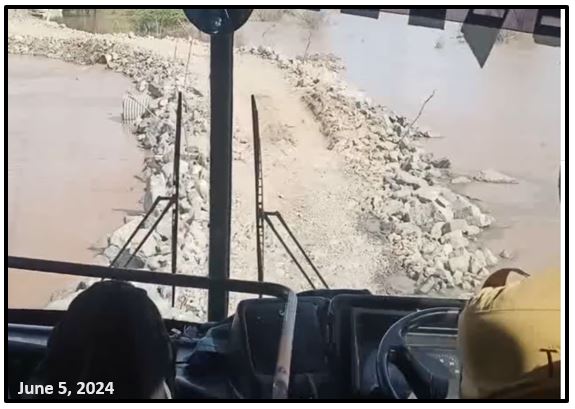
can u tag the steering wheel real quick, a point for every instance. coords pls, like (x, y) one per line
(426, 376)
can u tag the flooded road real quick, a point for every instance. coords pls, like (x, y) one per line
(504, 116)
(71, 168)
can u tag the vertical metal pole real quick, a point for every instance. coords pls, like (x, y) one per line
(176, 184)
(259, 189)
(221, 103)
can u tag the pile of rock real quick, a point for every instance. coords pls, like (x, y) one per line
(430, 231)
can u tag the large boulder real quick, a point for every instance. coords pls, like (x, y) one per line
(203, 189)
(101, 260)
(455, 225)
(158, 263)
(490, 258)
(493, 176)
(448, 277)
(427, 194)
(442, 213)
(437, 230)
(111, 252)
(477, 263)
(458, 278)
(148, 248)
(460, 180)
(121, 235)
(427, 285)
(456, 239)
(408, 229)
(164, 227)
(421, 214)
(459, 263)
(168, 169)
(407, 178)
(156, 187)
(447, 249)
(476, 217)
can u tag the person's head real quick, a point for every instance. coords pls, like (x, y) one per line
(112, 332)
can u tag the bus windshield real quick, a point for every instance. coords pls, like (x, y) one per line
(394, 158)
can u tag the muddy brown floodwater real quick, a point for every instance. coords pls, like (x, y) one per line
(71, 168)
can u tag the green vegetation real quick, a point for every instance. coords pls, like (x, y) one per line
(167, 22)
(159, 22)
(155, 22)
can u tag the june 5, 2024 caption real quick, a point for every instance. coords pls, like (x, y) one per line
(64, 389)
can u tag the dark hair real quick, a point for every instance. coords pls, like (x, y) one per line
(112, 332)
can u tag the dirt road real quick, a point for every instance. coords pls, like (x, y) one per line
(303, 180)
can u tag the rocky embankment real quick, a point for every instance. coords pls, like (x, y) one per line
(428, 232)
